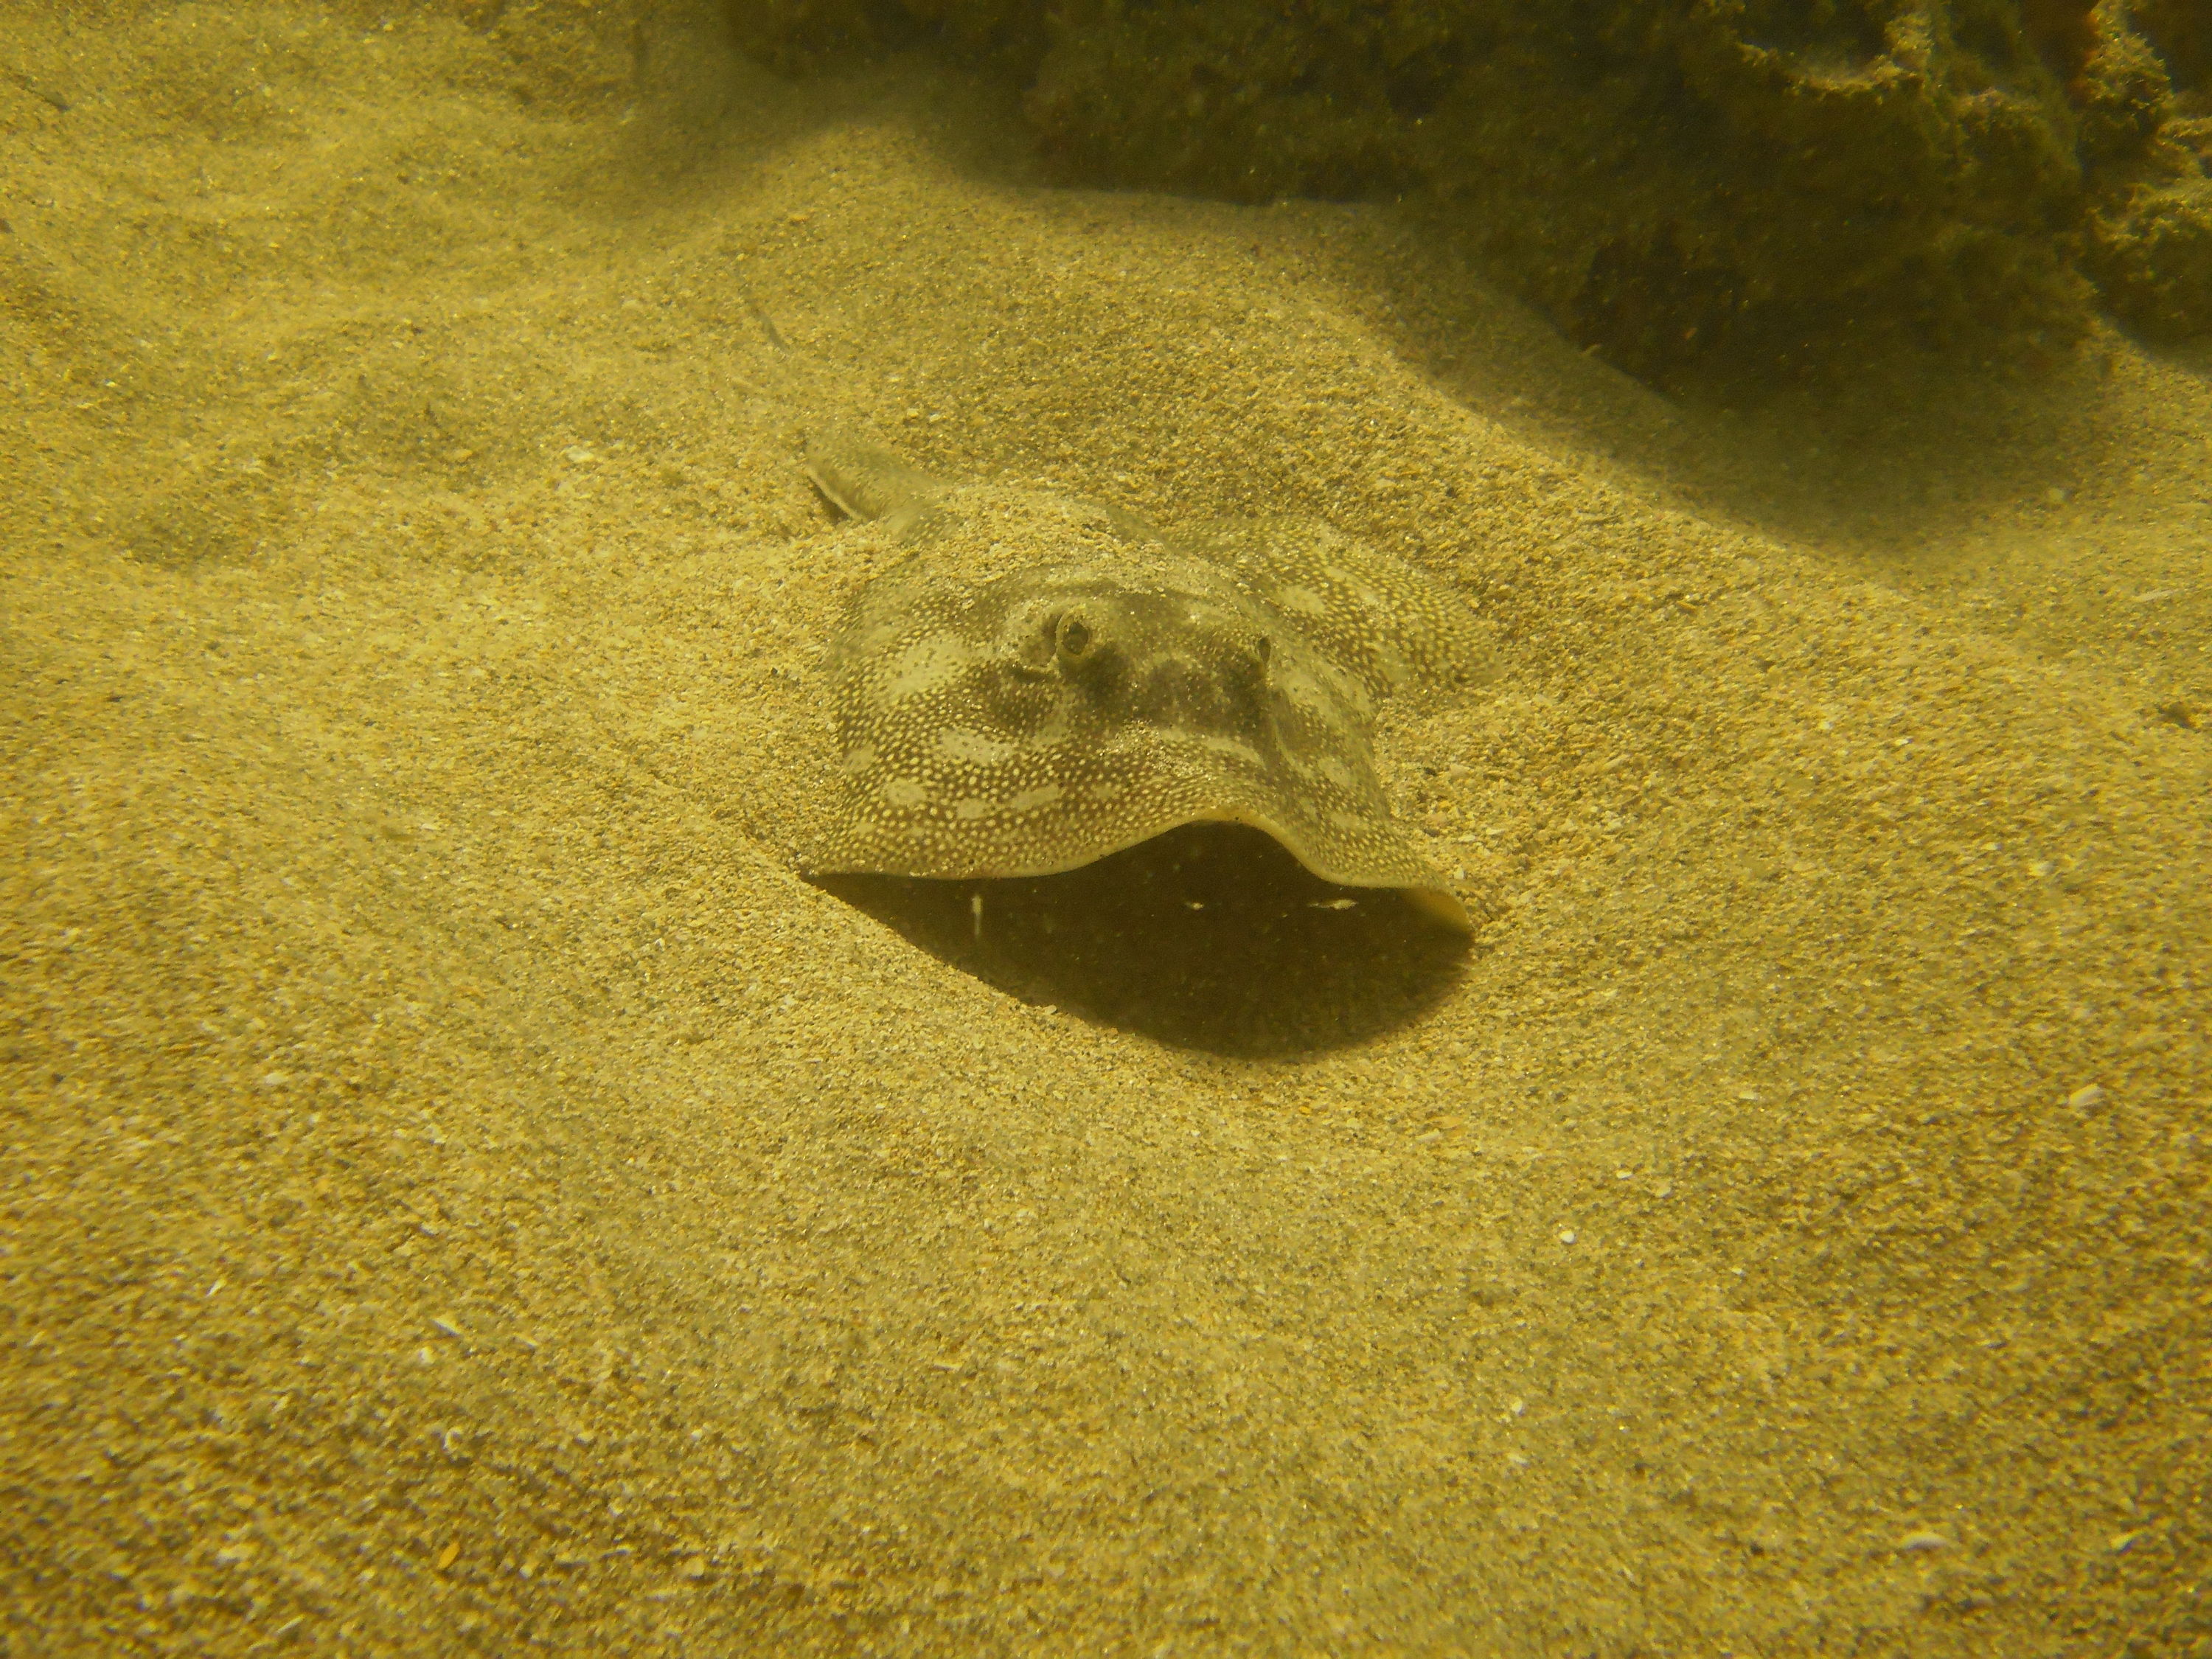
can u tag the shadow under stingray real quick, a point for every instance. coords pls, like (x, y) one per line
(1209, 937)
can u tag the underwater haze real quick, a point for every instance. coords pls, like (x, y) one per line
(469, 1183)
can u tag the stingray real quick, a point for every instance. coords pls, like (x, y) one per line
(1034, 682)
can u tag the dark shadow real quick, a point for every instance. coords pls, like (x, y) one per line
(1209, 937)
(1895, 457)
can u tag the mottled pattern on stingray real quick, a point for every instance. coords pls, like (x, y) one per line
(1041, 681)
(1396, 630)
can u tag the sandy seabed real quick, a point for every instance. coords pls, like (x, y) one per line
(460, 1188)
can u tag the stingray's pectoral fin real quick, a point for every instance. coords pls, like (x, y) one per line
(1440, 904)
(864, 482)
(1432, 900)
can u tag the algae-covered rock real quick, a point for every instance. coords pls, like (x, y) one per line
(2146, 123)
(796, 37)
(1682, 185)
(2150, 247)
(2123, 95)
(2180, 32)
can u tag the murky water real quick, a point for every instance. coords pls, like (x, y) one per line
(464, 1186)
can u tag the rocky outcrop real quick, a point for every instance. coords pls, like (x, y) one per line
(1686, 187)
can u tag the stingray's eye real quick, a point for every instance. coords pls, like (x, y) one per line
(1071, 636)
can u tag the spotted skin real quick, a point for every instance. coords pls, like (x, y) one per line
(1037, 681)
